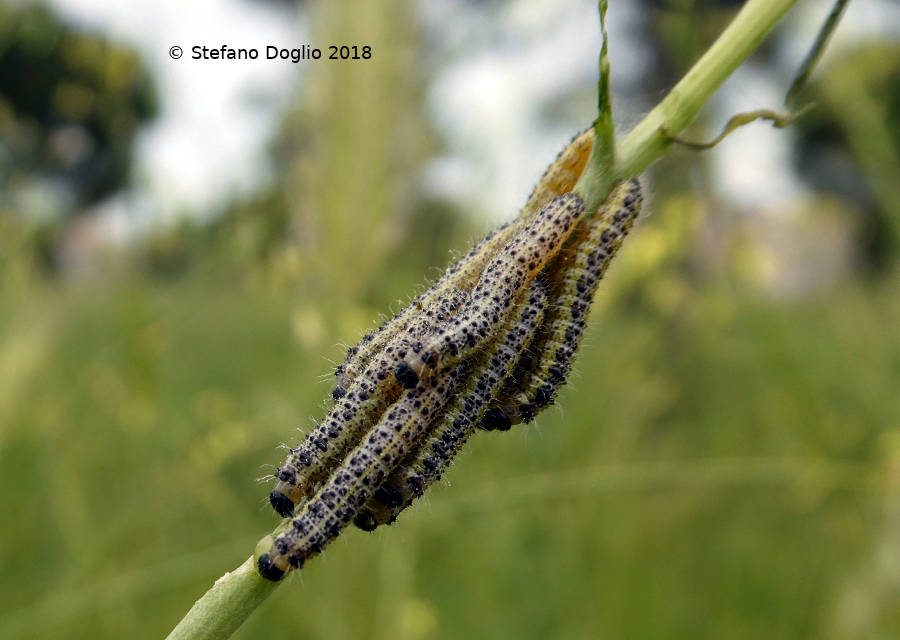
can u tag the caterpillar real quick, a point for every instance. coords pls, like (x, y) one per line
(368, 397)
(426, 464)
(490, 303)
(537, 378)
(349, 487)
(488, 345)
(557, 179)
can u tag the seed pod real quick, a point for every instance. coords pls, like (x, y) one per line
(559, 178)
(490, 304)
(430, 460)
(353, 414)
(573, 280)
(365, 468)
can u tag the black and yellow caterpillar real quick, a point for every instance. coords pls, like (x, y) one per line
(489, 344)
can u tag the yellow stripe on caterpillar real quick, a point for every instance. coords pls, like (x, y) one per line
(428, 463)
(559, 178)
(573, 280)
(490, 304)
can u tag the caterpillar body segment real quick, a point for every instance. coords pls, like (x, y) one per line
(510, 271)
(559, 178)
(537, 378)
(354, 412)
(461, 275)
(429, 461)
(364, 469)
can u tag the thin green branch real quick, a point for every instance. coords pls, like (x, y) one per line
(784, 119)
(779, 120)
(226, 605)
(815, 53)
(604, 130)
(651, 139)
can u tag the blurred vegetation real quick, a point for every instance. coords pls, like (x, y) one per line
(851, 145)
(726, 463)
(71, 102)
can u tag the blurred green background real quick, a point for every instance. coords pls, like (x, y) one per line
(725, 462)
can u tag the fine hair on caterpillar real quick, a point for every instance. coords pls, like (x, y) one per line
(535, 382)
(353, 413)
(367, 466)
(513, 268)
(428, 462)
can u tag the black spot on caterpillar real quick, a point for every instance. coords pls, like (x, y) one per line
(455, 278)
(363, 470)
(490, 304)
(559, 178)
(367, 398)
(427, 463)
(573, 281)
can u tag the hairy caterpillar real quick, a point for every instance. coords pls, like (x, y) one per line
(368, 397)
(538, 376)
(426, 464)
(490, 303)
(558, 178)
(488, 344)
(348, 488)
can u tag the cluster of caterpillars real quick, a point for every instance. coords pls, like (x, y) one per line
(488, 346)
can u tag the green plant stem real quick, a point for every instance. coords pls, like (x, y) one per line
(236, 594)
(225, 606)
(604, 129)
(651, 139)
(815, 53)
